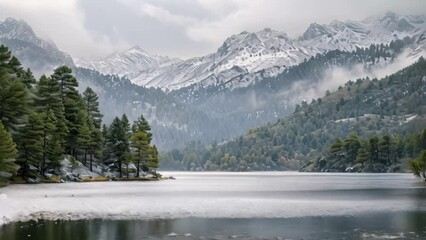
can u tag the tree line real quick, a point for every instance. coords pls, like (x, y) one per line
(371, 154)
(43, 121)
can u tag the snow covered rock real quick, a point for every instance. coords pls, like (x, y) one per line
(75, 170)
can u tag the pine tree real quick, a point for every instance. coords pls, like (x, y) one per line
(8, 154)
(153, 160)
(336, 149)
(70, 99)
(373, 149)
(141, 124)
(5, 56)
(47, 98)
(13, 102)
(15, 68)
(30, 146)
(139, 142)
(418, 165)
(352, 145)
(118, 140)
(67, 83)
(385, 146)
(92, 104)
(84, 135)
(52, 150)
(362, 156)
(106, 150)
(94, 122)
(13, 93)
(28, 79)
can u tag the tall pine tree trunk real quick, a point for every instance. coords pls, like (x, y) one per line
(91, 160)
(127, 165)
(85, 157)
(139, 159)
(119, 168)
(43, 164)
(24, 169)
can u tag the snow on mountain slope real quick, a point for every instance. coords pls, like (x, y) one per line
(19, 29)
(247, 57)
(239, 55)
(134, 63)
(19, 37)
(349, 35)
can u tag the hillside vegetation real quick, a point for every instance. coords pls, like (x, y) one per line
(394, 105)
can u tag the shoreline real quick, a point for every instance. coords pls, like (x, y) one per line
(212, 195)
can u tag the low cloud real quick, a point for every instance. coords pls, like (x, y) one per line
(60, 22)
(306, 90)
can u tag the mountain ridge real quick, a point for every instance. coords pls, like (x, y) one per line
(273, 51)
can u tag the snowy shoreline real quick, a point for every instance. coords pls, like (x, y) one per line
(209, 195)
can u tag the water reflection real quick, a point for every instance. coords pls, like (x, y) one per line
(228, 206)
(408, 225)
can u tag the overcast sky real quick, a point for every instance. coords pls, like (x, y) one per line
(181, 28)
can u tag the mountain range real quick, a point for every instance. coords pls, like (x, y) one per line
(242, 56)
(252, 79)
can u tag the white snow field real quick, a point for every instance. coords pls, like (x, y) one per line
(214, 195)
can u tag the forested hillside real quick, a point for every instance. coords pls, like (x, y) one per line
(173, 123)
(275, 97)
(394, 105)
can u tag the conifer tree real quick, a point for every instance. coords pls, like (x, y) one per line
(352, 145)
(336, 149)
(141, 124)
(94, 122)
(373, 149)
(70, 99)
(47, 98)
(13, 102)
(52, 150)
(362, 156)
(118, 140)
(5, 56)
(385, 146)
(28, 79)
(139, 142)
(418, 165)
(8, 154)
(84, 136)
(13, 93)
(153, 161)
(15, 68)
(92, 103)
(30, 146)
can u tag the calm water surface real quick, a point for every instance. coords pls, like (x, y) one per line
(233, 206)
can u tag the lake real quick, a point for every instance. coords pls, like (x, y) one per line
(265, 205)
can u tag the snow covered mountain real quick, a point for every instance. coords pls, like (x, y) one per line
(239, 55)
(245, 58)
(349, 35)
(24, 43)
(237, 61)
